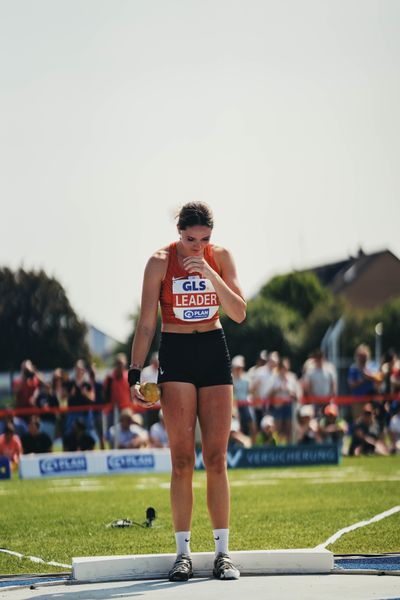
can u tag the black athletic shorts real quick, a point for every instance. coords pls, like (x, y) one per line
(198, 358)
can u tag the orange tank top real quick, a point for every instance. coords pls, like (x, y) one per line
(188, 298)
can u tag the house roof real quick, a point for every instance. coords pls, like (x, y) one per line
(366, 280)
(339, 274)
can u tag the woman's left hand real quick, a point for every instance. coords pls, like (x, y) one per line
(197, 264)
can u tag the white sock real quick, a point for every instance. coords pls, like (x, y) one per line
(221, 539)
(182, 539)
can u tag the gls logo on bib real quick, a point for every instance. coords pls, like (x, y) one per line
(194, 298)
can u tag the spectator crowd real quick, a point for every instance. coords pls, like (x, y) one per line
(272, 406)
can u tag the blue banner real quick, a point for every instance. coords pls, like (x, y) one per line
(279, 456)
(5, 471)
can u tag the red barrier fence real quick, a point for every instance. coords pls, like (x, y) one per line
(106, 408)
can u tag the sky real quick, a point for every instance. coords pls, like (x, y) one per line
(282, 115)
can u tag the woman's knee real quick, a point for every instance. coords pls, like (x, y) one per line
(215, 462)
(183, 464)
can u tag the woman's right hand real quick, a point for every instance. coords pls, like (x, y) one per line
(138, 398)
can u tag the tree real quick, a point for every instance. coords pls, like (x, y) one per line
(37, 322)
(313, 329)
(155, 343)
(301, 292)
(360, 327)
(268, 325)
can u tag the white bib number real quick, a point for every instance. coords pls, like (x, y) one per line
(194, 299)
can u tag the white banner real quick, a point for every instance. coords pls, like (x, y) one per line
(95, 462)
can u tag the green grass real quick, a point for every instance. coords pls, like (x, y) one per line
(57, 519)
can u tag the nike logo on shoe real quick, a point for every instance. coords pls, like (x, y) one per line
(216, 539)
(187, 540)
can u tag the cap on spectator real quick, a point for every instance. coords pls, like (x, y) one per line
(238, 361)
(80, 364)
(331, 410)
(267, 421)
(264, 355)
(274, 356)
(307, 410)
(126, 412)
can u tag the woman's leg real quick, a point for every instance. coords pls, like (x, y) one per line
(215, 415)
(179, 405)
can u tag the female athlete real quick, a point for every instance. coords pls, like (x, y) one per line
(190, 278)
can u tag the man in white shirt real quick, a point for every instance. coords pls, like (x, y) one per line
(319, 379)
(128, 432)
(260, 385)
(283, 393)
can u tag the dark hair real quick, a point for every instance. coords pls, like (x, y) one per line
(195, 213)
(9, 427)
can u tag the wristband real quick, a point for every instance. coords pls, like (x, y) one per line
(135, 366)
(133, 377)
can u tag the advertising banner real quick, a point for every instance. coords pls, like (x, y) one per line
(279, 456)
(96, 462)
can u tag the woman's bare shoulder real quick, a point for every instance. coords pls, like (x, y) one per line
(158, 261)
(222, 255)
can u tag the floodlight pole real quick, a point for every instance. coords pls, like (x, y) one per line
(378, 342)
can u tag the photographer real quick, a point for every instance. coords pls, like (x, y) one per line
(26, 385)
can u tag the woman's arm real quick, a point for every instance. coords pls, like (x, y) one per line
(226, 285)
(146, 326)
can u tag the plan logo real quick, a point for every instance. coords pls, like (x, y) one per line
(50, 466)
(130, 462)
(196, 314)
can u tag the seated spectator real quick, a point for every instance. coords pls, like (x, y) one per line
(79, 438)
(307, 426)
(236, 437)
(128, 433)
(365, 438)
(35, 441)
(331, 428)
(158, 433)
(394, 428)
(267, 435)
(10, 444)
(241, 388)
(44, 398)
